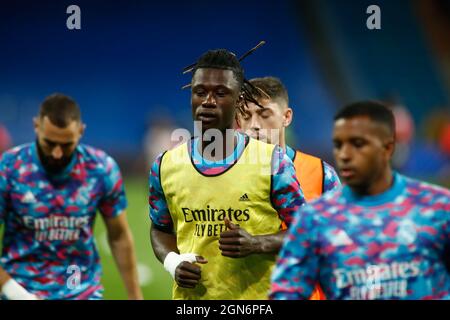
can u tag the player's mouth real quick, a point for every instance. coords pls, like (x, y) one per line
(347, 173)
(207, 116)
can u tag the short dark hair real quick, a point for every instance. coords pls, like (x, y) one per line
(60, 109)
(377, 111)
(221, 59)
(271, 86)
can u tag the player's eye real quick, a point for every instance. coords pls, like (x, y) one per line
(49, 144)
(337, 144)
(66, 145)
(200, 92)
(265, 113)
(221, 93)
(359, 143)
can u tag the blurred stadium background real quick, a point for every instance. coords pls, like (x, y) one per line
(124, 69)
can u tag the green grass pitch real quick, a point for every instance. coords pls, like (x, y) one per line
(156, 282)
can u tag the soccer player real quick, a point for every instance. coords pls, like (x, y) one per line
(217, 216)
(382, 236)
(267, 121)
(273, 115)
(50, 191)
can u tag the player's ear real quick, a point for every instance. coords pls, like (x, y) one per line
(36, 124)
(390, 147)
(288, 114)
(82, 128)
(236, 119)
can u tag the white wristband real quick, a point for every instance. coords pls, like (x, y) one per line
(14, 291)
(173, 259)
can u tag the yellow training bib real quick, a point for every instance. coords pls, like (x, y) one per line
(198, 205)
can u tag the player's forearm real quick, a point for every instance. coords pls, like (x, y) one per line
(162, 243)
(123, 251)
(270, 243)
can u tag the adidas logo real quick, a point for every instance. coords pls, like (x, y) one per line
(244, 197)
(28, 198)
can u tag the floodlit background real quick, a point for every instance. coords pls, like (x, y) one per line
(124, 69)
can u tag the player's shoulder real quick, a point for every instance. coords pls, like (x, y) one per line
(319, 212)
(177, 147)
(328, 169)
(331, 198)
(95, 157)
(156, 164)
(326, 202)
(420, 188)
(92, 153)
(175, 151)
(17, 153)
(281, 162)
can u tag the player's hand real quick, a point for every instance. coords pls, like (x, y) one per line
(236, 242)
(187, 274)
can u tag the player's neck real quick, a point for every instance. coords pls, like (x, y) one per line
(215, 148)
(282, 139)
(380, 185)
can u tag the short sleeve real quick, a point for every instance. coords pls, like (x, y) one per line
(331, 178)
(159, 212)
(3, 187)
(114, 200)
(286, 194)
